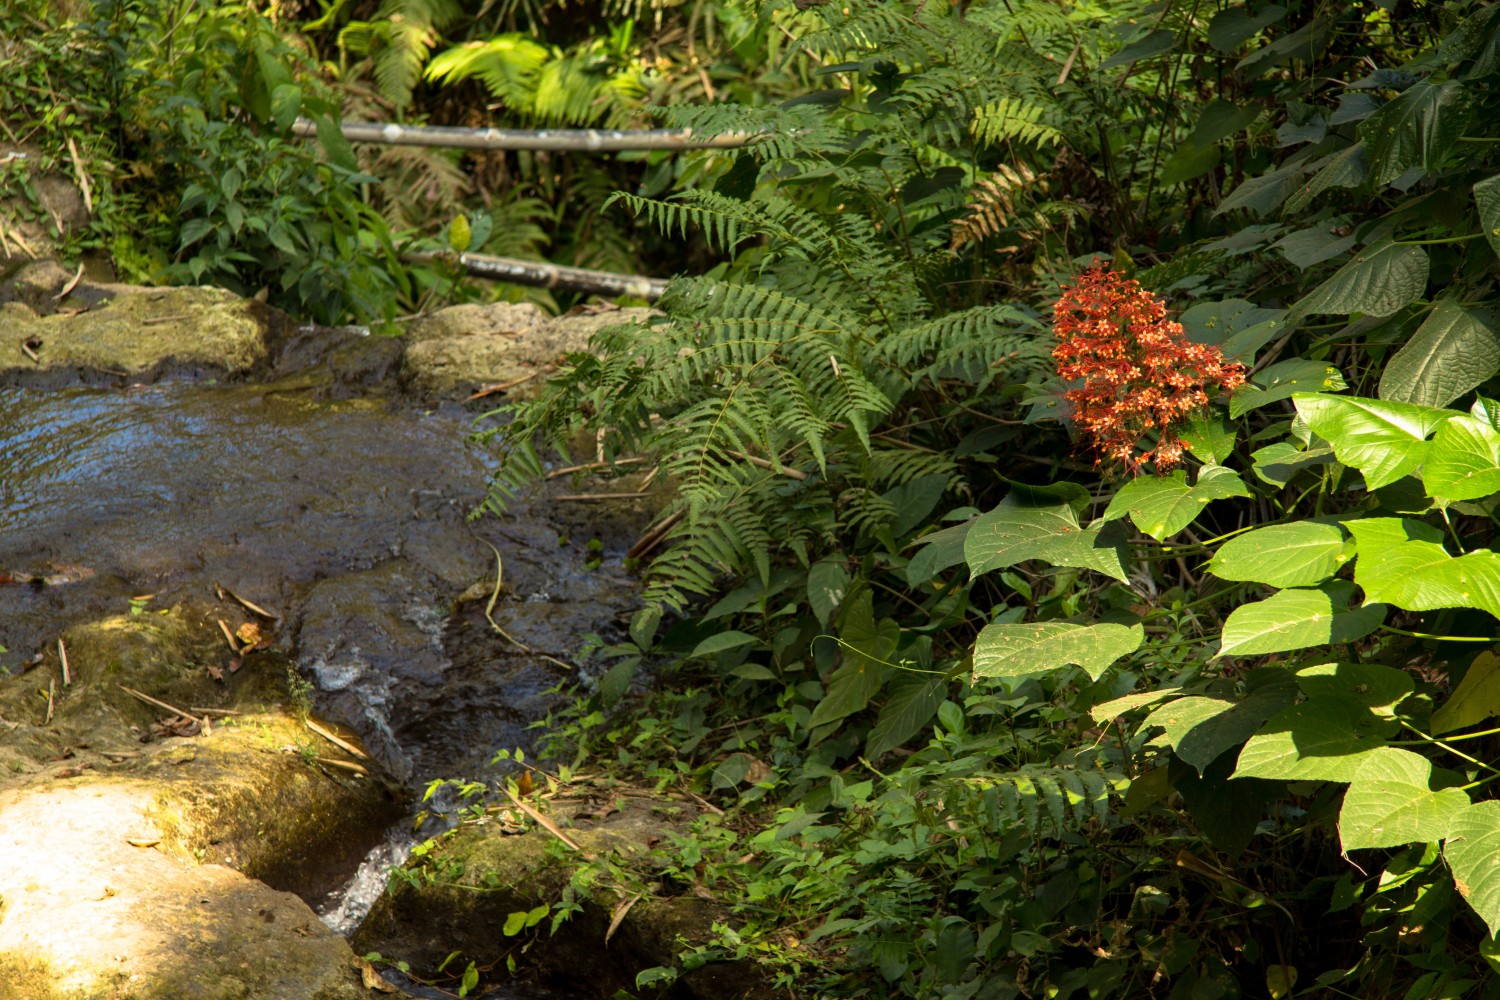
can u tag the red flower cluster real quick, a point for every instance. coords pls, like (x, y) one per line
(1139, 371)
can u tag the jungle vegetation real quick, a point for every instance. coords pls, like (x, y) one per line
(1083, 415)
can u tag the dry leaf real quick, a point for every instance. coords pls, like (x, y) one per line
(250, 634)
(143, 841)
(370, 978)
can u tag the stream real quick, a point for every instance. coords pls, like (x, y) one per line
(325, 496)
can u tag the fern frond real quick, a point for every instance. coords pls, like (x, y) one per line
(1013, 119)
(992, 205)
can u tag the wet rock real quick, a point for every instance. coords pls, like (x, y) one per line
(158, 869)
(458, 350)
(138, 333)
(458, 895)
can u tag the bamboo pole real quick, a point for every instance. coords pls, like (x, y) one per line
(581, 140)
(555, 276)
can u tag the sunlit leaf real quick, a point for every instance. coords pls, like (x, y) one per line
(1378, 281)
(1390, 802)
(1456, 348)
(1472, 851)
(1463, 460)
(1322, 739)
(1476, 698)
(1297, 618)
(1403, 562)
(1300, 554)
(1383, 440)
(1012, 652)
(1162, 506)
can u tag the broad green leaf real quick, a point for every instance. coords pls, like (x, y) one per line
(1416, 129)
(1455, 349)
(1322, 739)
(1262, 194)
(1297, 618)
(1476, 699)
(1284, 379)
(940, 550)
(1380, 280)
(1162, 506)
(730, 639)
(910, 708)
(1200, 728)
(827, 583)
(1487, 198)
(1346, 168)
(1013, 533)
(1383, 440)
(1379, 688)
(1154, 44)
(1403, 562)
(1013, 652)
(1221, 119)
(1463, 460)
(1307, 247)
(867, 646)
(1209, 436)
(1390, 802)
(1278, 463)
(914, 500)
(1472, 851)
(1281, 980)
(1115, 707)
(1301, 554)
(1234, 26)
(1237, 327)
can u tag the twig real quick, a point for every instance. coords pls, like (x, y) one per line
(652, 538)
(154, 320)
(229, 638)
(785, 470)
(539, 274)
(584, 140)
(73, 283)
(214, 711)
(583, 497)
(594, 466)
(62, 654)
(331, 738)
(51, 699)
(490, 390)
(247, 605)
(618, 917)
(83, 184)
(489, 613)
(30, 353)
(545, 823)
(203, 722)
(347, 765)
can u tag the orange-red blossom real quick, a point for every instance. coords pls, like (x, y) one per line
(1140, 372)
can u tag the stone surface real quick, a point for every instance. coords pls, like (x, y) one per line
(137, 333)
(459, 350)
(485, 871)
(151, 870)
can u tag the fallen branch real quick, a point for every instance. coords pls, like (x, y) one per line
(587, 497)
(541, 275)
(203, 723)
(560, 140)
(331, 738)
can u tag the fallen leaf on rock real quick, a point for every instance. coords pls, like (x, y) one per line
(64, 573)
(369, 977)
(143, 841)
(249, 633)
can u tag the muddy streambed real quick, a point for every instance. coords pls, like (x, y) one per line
(321, 494)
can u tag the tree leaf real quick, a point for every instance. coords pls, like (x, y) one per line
(827, 583)
(1210, 436)
(1200, 728)
(729, 639)
(1380, 280)
(1278, 463)
(1487, 199)
(1262, 194)
(1472, 851)
(1476, 698)
(1455, 349)
(1383, 440)
(1115, 707)
(1162, 506)
(940, 550)
(1234, 26)
(1416, 129)
(1378, 688)
(910, 708)
(1390, 802)
(1237, 327)
(1297, 618)
(1300, 554)
(1013, 533)
(1322, 739)
(1307, 247)
(1284, 379)
(1014, 652)
(1463, 460)
(1403, 562)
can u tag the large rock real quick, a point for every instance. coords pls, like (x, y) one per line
(158, 869)
(461, 349)
(134, 332)
(458, 893)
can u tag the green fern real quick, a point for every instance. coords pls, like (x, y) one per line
(398, 40)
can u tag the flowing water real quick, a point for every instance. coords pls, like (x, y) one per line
(329, 500)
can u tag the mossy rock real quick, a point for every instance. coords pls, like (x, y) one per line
(458, 894)
(132, 869)
(140, 333)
